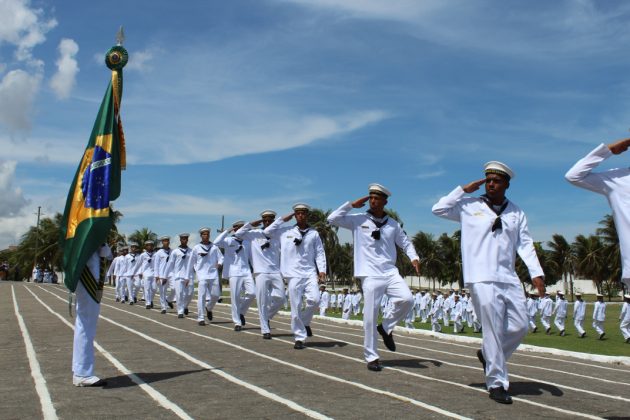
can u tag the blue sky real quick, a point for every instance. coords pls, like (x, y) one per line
(233, 107)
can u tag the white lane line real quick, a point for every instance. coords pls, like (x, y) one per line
(513, 375)
(429, 378)
(153, 393)
(285, 363)
(467, 387)
(48, 409)
(292, 405)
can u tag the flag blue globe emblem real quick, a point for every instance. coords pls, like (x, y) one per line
(95, 181)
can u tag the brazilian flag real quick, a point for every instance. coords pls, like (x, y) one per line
(88, 217)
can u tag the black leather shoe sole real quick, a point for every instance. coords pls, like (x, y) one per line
(202, 323)
(180, 315)
(237, 328)
(299, 345)
(375, 366)
(500, 395)
(388, 339)
(267, 336)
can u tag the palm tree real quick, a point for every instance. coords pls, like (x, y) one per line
(591, 260)
(562, 260)
(139, 236)
(402, 262)
(317, 219)
(451, 256)
(430, 259)
(612, 252)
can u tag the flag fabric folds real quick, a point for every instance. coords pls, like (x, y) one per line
(88, 217)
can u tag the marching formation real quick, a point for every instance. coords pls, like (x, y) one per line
(260, 257)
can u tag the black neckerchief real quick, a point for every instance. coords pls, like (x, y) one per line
(497, 222)
(297, 241)
(184, 251)
(376, 234)
(240, 244)
(267, 244)
(202, 254)
(168, 253)
(150, 254)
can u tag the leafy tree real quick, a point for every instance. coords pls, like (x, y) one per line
(562, 260)
(431, 261)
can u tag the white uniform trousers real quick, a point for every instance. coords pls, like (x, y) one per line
(149, 289)
(501, 308)
(241, 302)
(322, 311)
(435, 323)
(532, 322)
(545, 321)
(346, 311)
(559, 323)
(599, 326)
(269, 296)
(625, 329)
(302, 288)
(121, 282)
(411, 316)
(579, 325)
(181, 294)
(400, 302)
(424, 313)
(131, 292)
(458, 325)
(84, 333)
(190, 293)
(137, 285)
(162, 287)
(445, 318)
(172, 290)
(205, 290)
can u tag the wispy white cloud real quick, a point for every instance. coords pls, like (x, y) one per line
(432, 174)
(23, 26)
(12, 198)
(64, 79)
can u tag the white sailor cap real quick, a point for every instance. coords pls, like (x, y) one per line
(133, 244)
(238, 223)
(268, 213)
(147, 242)
(494, 167)
(301, 206)
(599, 295)
(123, 247)
(165, 238)
(560, 293)
(379, 189)
(434, 294)
(578, 294)
(626, 296)
(184, 235)
(204, 229)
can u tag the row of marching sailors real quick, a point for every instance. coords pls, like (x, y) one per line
(547, 308)
(438, 306)
(348, 302)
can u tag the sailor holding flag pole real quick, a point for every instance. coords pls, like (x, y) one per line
(88, 218)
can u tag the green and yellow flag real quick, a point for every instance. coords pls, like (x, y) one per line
(88, 218)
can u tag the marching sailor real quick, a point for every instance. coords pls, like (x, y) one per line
(324, 300)
(624, 318)
(615, 185)
(494, 230)
(146, 271)
(435, 313)
(456, 315)
(532, 310)
(579, 312)
(333, 301)
(236, 252)
(206, 261)
(117, 267)
(265, 254)
(546, 310)
(375, 237)
(560, 309)
(179, 266)
(303, 264)
(160, 258)
(131, 268)
(599, 316)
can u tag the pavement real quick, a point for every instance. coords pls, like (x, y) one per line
(158, 366)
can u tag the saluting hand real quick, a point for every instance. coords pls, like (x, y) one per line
(256, 222)
(473, 186)
(539, 283)
(360, 202)
(619, 146)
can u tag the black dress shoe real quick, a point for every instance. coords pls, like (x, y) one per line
(148, 307)
(535, 329)
(170, 304)
(601, 336)
(583, 335)
(117, 299)
(202, 323)
(482, 360)
(185, 311)
(500, 395)
(135, 300)
(237, 328)
(548, 331)
(375, 366)
(151, 305)
(562, 333)
(163, 311)
(209, 313)
(242, 319)
(180, 315)
(267, 336)
(309, 332)
(388, 339)
(299, 345)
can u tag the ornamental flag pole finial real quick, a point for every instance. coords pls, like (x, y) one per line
(120, 36)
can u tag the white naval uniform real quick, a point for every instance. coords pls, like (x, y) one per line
(532, 310)
(333, 301)
(546, 310)
(624, 319)
(146, 269)
(356, 303)
(160, 259)
(375, 265)
(436, 314)
(457, 312)
(447, 305)
(236, 270)
(116, 267)
(489, 271)
(87, 312)
(579, 312)
(615, 185)
(180, 268)
(346, 309)
(206, 259)
(599, 316)
(425, 300)
(300, 264)
(265, 254)
(340, 300)
(410, 317)
(560, 309)
(324, 301)
(131, 268)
